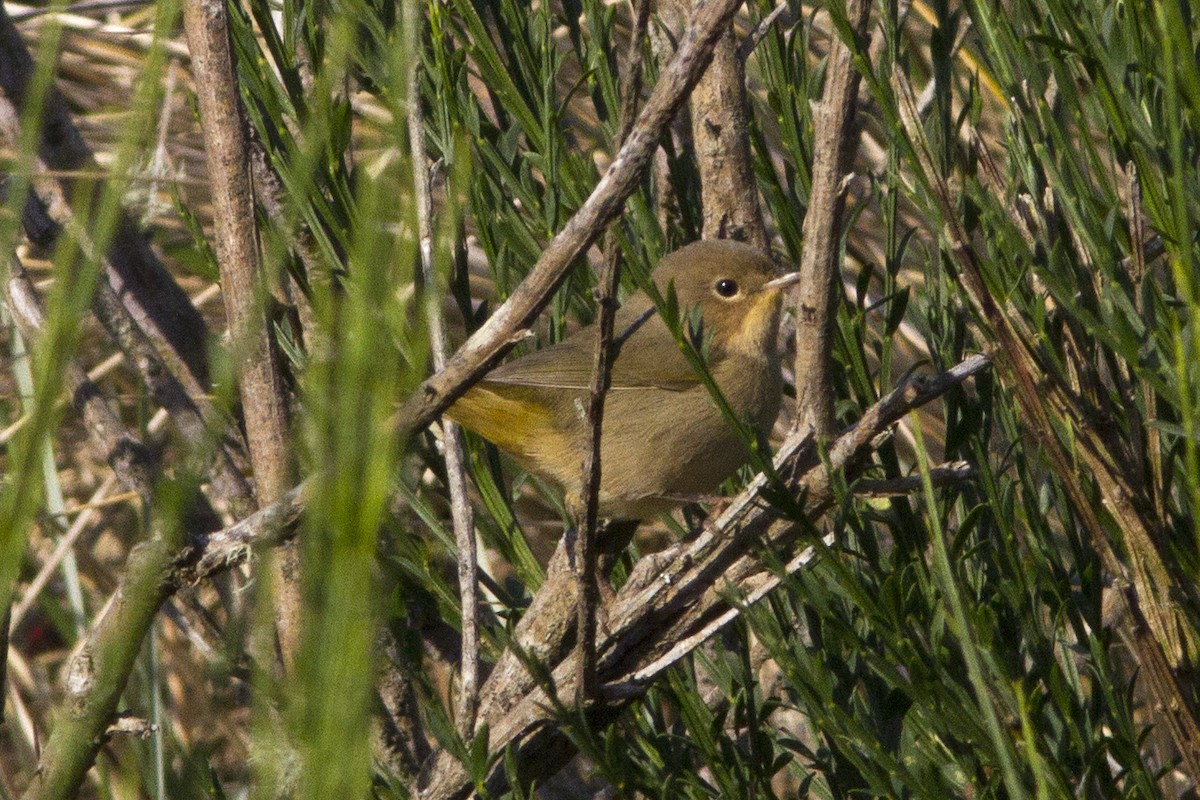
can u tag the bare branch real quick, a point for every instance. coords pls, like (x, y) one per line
(677, 596)
(755, 37)
(264, 400)
(721, 137)
(494, 338)
(820, 281)
(461, 514)
(222, 550)
(586, 517)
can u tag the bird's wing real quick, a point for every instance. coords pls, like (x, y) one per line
(647, 355)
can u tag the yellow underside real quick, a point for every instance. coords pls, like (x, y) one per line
(523, 428)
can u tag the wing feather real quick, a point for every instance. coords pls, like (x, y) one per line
(647, 355)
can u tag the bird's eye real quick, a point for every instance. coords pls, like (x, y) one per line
(727, 287)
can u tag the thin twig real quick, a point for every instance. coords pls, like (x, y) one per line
(816, 306)
(81, 523)
(80, 8)
(673, 596)
(218, 552)
(755, 37)
(606, 300)
(489, 344)
(942, 475)
(461, 514)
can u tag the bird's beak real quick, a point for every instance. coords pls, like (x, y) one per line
(782, 282)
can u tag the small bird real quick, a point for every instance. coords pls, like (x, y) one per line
(663, 439)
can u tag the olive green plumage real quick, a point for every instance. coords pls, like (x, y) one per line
(663, 438)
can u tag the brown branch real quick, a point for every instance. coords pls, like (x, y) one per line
(402, 738)
(721, 137)
(264, 400)
(461, 514)
(488, 344)
(587, 514)
(166, 390)
(755, 37)
(220, 551)
(834, 142)
(681, 595)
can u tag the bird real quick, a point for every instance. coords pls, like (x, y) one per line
(664, 439)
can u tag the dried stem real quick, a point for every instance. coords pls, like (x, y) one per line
(721, 137)
(461, 514)
(820, 276)
(606, 300)
(264, 401)
(675, 600)
(488, 344)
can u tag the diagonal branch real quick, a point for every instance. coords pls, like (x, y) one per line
(489, 344)
(676, 600)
